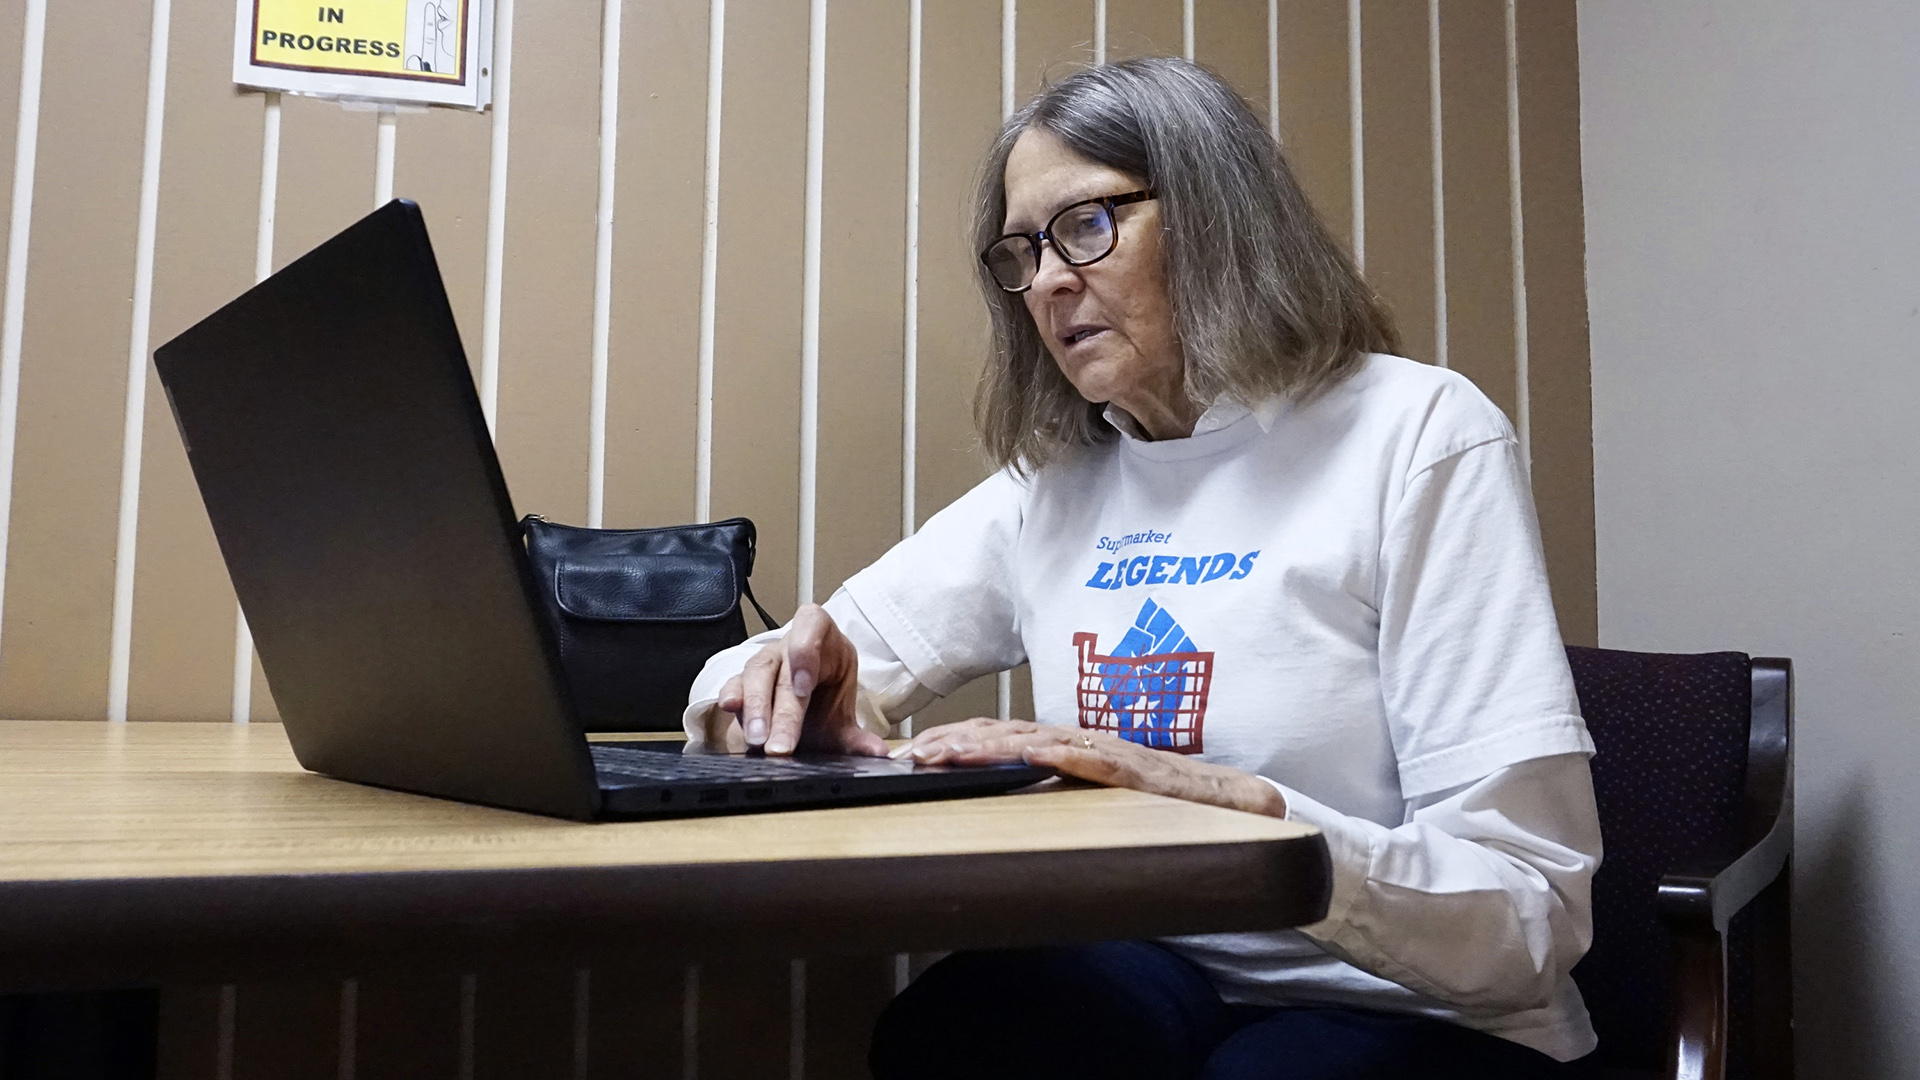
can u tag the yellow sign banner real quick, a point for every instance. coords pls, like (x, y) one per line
(421, 40)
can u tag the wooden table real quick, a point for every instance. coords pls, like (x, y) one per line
(150, 853)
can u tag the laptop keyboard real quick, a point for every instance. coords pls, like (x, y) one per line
(629, 763)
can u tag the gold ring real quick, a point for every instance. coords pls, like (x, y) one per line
(1086, 742)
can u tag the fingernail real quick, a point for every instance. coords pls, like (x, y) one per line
(803, 683)
(757, 730)
(961, 747)
(899, 752)
(779, 744)
(927, 753)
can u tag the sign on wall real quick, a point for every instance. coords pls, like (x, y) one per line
(436, 52)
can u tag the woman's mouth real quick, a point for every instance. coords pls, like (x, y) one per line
(1076, 335)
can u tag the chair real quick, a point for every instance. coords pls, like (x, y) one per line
(1689, 976)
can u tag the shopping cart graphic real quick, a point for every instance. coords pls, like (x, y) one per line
(1152, 690)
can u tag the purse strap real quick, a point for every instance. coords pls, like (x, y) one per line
(746, 588)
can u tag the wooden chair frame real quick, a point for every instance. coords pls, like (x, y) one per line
(1698, 903)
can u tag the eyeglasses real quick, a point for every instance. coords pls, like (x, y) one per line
(1082, 234)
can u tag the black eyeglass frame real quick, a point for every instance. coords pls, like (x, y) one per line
(1035, 239)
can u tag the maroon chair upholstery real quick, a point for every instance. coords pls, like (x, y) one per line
(1693, 777)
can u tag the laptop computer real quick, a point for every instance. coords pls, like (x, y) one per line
(334, 431)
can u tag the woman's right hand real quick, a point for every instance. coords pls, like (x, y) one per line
(798, 693)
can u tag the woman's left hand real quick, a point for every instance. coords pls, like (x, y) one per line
(1095, 756)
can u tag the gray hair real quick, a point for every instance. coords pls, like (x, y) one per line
(1265, 301)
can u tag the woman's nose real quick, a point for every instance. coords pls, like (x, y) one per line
(1054, 273)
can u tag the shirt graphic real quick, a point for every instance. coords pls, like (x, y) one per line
(1152, 690)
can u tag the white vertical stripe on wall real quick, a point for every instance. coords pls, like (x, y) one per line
(242, 669)
(349, 1050)
(797, 1020)
(1517, 234)
(690, 1015)
(469, 1002)
(809, 411)
(1439, 186)
(223, 1032)
(603, 262)
(1356, 131)
(1099, 31)
(496, 211)
(262, 266)
(1009, 25)
(709, 268)
(1186, 29)
(383, 145)
(582, 978)
(1273, 68)
(269, 187)
(120, 643)
(810, 297)
(910, 375)
(1009, 31)
(26, 145)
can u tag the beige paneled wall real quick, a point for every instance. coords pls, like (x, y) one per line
(1313, 83)
(757, 340)
(1475, 292)
(863, 271)
(1554, 368)
(765, 310)
(960, 109)
(655, 286)
(71, 403)
(181, 652)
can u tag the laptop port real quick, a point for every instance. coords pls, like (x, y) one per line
(712, 795)
(759, 794)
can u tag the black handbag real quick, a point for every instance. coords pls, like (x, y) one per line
(637, 612)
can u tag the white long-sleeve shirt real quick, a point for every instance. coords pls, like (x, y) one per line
(1345, 598)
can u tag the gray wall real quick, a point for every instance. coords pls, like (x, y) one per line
(1753, 240)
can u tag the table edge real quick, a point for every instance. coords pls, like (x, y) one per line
(130, 931)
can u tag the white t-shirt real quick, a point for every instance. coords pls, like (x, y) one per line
(1345, 597)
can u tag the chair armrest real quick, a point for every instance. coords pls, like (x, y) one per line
(1694, 898)
(1697, 904)
(1698, 896)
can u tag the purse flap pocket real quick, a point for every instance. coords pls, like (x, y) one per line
(680, 587)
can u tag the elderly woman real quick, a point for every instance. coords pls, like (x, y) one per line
(1210, 462)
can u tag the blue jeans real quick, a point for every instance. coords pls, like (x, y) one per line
(1130, 1010)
